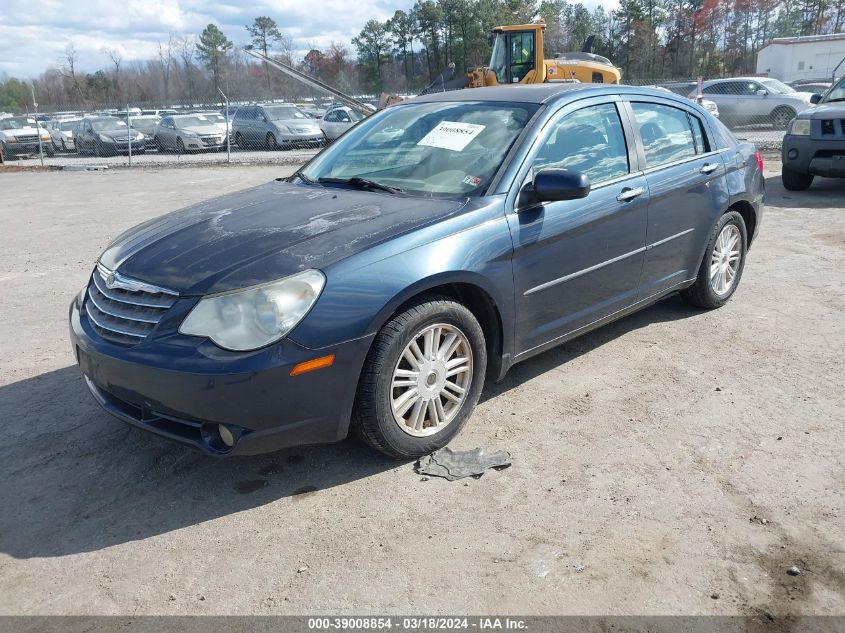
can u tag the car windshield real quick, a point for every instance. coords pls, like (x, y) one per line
(197, 120)
(837, 93)
(277, 113)
(429, 149)
(16, 123)
(144, 120)
(214, 117)
(777, 87)
(67, 126)
(101, 125)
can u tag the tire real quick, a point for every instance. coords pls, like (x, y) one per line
(373, 415)
(795, 180)
(64, 146)
(50, 150)
(159, 146)
(98, 151)
(270, 142)
(707, 292)
(180, 145)
(781, 118)
(239, 141)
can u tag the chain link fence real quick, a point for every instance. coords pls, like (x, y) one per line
(171, 135)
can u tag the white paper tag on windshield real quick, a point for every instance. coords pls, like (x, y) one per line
(452, 135)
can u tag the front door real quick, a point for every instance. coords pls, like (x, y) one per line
(580, 260)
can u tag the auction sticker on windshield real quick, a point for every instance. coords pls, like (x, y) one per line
(452, 135)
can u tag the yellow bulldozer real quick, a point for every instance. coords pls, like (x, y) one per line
(517, 58)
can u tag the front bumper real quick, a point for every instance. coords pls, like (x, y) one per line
(808, 155)
(183, 387)
(117, 147)
(10, 149)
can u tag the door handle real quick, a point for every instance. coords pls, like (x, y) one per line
(709, 168)
(629, 194)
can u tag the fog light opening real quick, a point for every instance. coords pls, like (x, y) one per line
(225, 435)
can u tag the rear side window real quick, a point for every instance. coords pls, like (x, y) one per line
(665, 132)
(590, 140)
(702, 146)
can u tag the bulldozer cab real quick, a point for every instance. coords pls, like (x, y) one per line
(517, 58)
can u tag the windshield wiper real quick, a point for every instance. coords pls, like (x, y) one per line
(298, 174)
(360, 183)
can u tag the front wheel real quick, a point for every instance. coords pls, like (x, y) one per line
(781, 118)
(180, 146)
(270, 142)
(422, 379)
(722, 266)
(795, 180)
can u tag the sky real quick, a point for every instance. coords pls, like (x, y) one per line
(35, 33)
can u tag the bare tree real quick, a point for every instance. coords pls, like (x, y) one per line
(187, 47)
(116, 58)
(68, 71)
(165, 62)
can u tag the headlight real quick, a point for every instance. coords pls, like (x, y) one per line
(254, 317)
(284, 129)
(45, 136)
(105, 139)
(140, 136)
(10, 139)
(800, 127)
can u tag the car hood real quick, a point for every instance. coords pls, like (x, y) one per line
(265, 233)
(23, 131)
(211, 128)
(117, 133)
(835, 110)
(298, 123)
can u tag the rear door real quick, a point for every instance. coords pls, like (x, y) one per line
(577, 261)
(687, 190)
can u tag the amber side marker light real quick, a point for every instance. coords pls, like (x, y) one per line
(312, 365)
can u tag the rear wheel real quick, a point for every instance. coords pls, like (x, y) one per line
(422, 378)
(722, 266)
(795, 180)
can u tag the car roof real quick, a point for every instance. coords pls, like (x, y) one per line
(540, 93)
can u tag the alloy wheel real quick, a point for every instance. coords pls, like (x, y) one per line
(725, 260)
(431, 380)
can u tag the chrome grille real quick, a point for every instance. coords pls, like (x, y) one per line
(27, 138)
(125, 310)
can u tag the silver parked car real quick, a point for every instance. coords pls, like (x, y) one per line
(146, 123)
(744, 100)
(62, 133)
(189, 133)
(274, 127)
(337, 120)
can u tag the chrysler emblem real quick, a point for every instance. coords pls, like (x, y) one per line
(110, 281)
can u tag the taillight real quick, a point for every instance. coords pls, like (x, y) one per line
(759, 158)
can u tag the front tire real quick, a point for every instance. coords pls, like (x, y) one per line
(270, 142)
(722, 266)
(422, 378)
(795, 180)
(781, 118)
(240, 142)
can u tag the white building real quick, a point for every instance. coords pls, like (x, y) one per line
(812, 57)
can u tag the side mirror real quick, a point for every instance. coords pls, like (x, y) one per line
(815, 98)
(762, 93)
(553, 185)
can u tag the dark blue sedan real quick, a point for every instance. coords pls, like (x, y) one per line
(432, 246)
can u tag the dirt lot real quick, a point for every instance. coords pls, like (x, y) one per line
(668, 458)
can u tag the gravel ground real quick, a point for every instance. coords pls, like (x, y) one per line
(668, 458)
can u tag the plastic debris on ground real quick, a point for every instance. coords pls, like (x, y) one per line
(454, 465)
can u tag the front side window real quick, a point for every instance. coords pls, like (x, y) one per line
(590, 140)
(665, 132)
(429, 149)
(837, 93)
